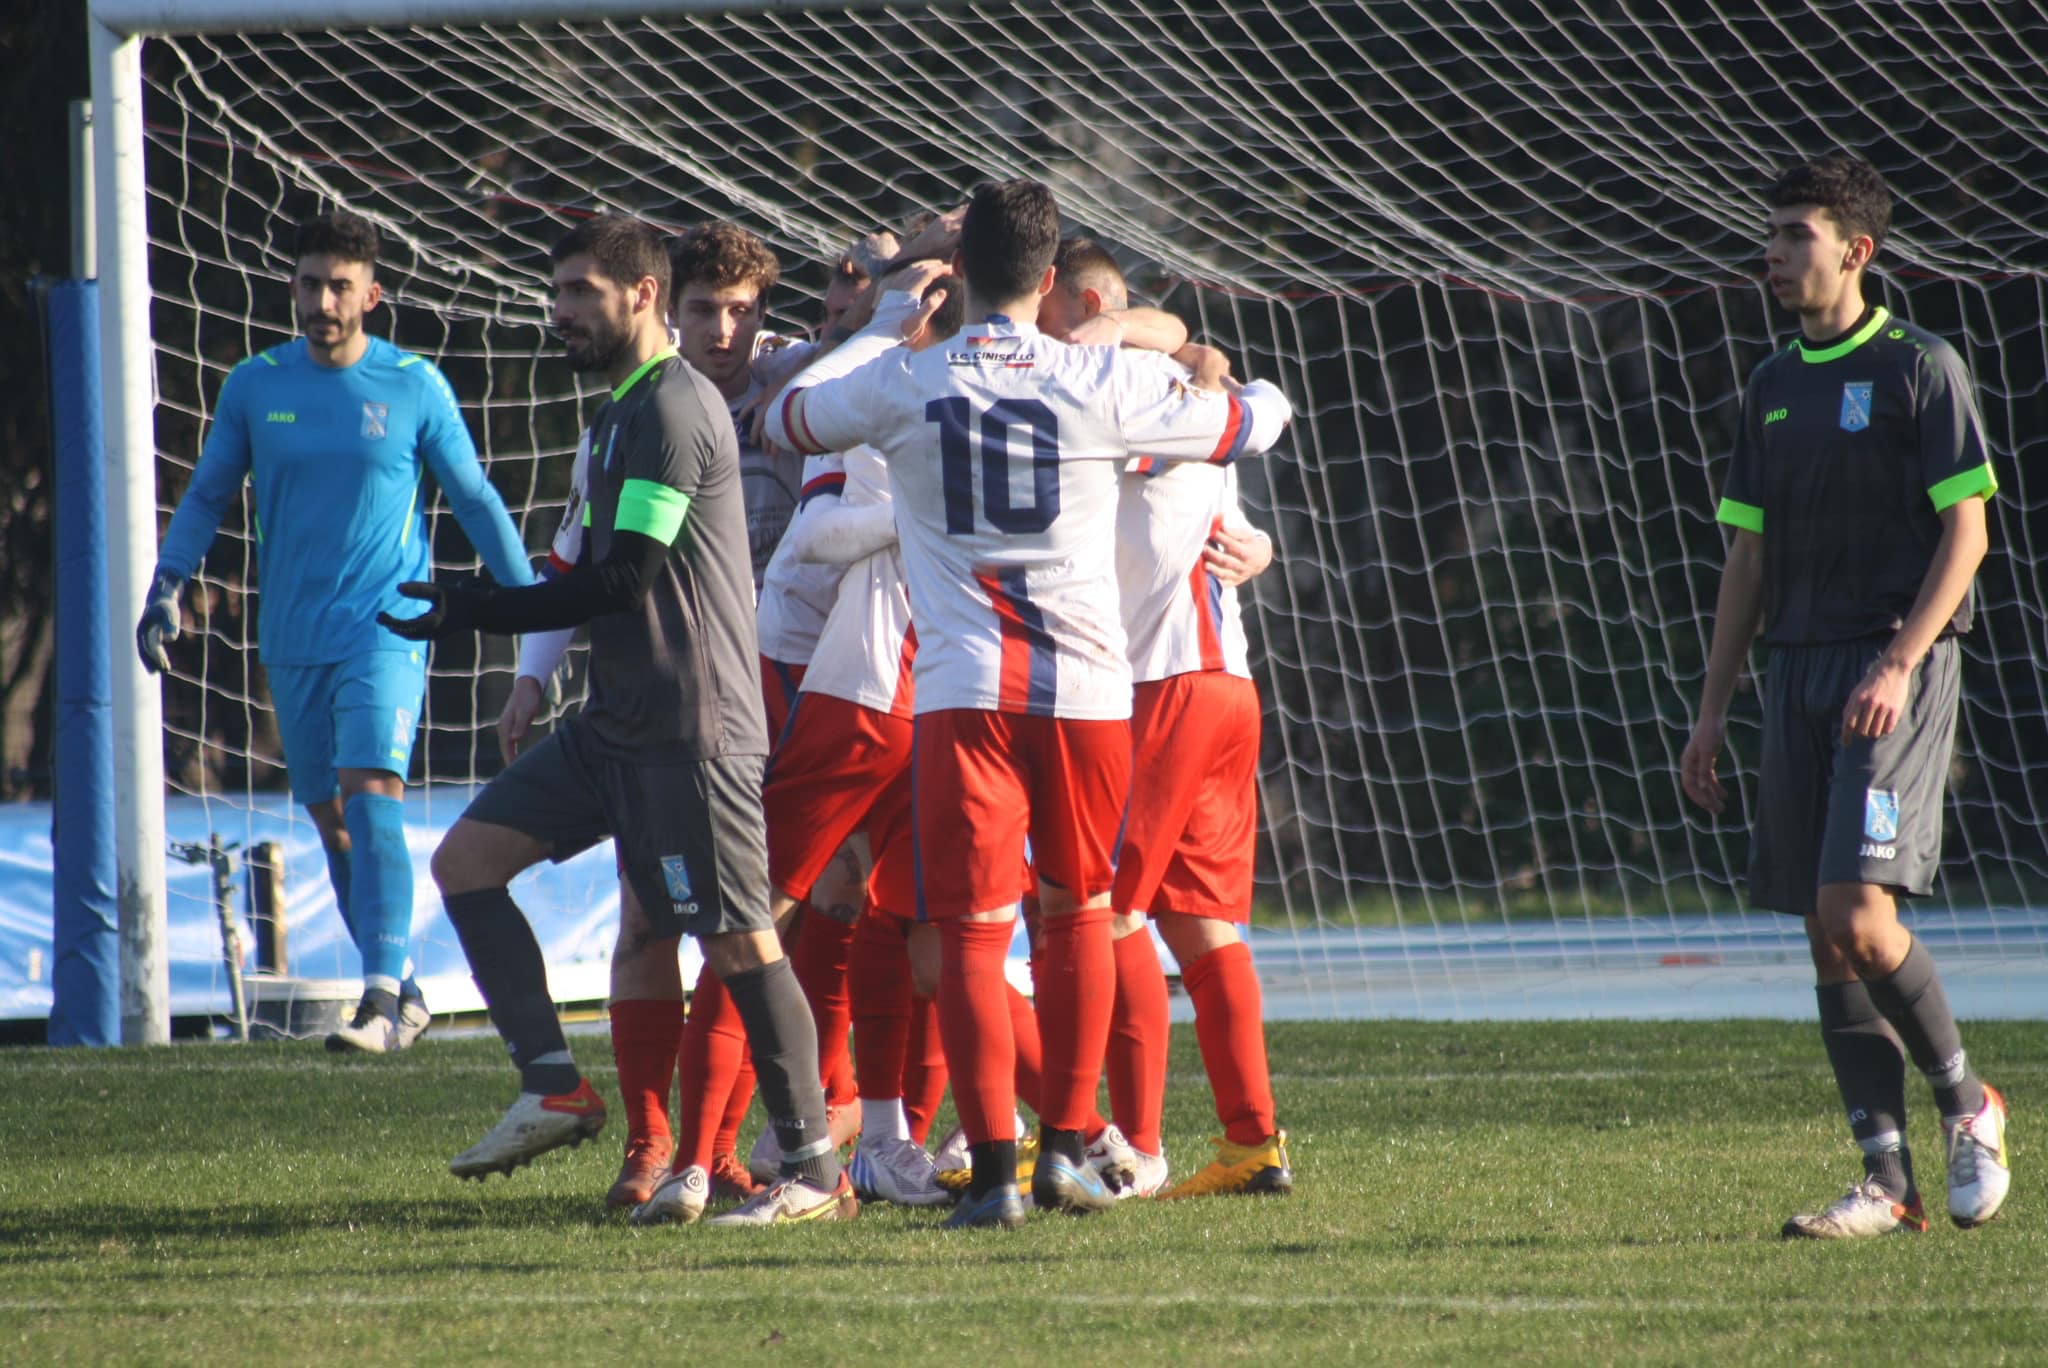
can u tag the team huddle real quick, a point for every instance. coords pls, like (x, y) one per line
(929, 628)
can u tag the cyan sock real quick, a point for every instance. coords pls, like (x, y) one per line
(380, 902)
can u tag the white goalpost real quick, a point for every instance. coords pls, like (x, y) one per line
(1502, 255)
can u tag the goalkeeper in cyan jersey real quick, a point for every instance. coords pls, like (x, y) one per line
(337, 431)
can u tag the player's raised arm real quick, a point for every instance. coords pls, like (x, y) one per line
(1162, 415)
(832, 404)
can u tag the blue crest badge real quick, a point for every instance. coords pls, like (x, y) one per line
(1881, 814)
(676, 875)
(375, 418)
(1856, 405)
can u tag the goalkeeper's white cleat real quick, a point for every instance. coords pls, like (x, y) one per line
(366, 1033)
(412, 1023)
(679, 1200)
(530, 1127)
(896, 1171)
(1861, 1212)
(1978, 1173)
(952, 1151)
(1113, 1159)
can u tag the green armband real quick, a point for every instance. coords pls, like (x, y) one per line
(1957, 488)
(1748, 517)
(652, 509)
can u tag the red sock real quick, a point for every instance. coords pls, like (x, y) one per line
(1076, 994)
(713, 1050)
(975, 1026)
(1137, 1041)
(738, 1098)
(820, 957)
(1230, 1028)
(879, 979)
(924, 1068)
(1030, 1066)
(645, 1034)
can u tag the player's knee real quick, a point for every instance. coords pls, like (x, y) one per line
(1858, 921)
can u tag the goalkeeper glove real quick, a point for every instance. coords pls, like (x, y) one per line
(452, 606)
(159, 621)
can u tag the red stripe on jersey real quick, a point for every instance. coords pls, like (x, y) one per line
(832, 482)
(1208, 632)
(901, 706)
(556, 565)
(1013, 690)
(1226, 446)
(794, 426)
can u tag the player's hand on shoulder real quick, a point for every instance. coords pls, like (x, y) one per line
(160, 622)
(1208, 367)
(939, 237)
(1696, 766)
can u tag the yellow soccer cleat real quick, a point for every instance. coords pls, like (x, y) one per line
(954, 1180)
(1261, 1170)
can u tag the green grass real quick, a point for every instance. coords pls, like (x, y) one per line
(1577, 1192)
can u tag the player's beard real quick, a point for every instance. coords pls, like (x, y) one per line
(342, 331)
(595, 345)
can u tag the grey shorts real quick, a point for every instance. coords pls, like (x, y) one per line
(689, 832)
(1862, 812)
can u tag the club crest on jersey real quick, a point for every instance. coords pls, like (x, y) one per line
(1881, 814)
(676, 875)
(1856, 405)
(375, 417)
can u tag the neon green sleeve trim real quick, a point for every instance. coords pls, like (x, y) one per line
(586, 514)
(1957, 488)
(1748, 517)
(651, 509)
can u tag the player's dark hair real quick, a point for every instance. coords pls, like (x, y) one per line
(952, 311)
(721, 255)
(1847, 187)
(351, 237)
(1008, 239)
(1082, 263)
(624, 250)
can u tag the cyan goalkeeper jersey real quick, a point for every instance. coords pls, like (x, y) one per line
(338, 459)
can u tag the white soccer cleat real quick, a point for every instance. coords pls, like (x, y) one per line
(412, 1023)
(1864, 1210)
(1978, 1174)
(1150, 1176)
(530, 1127)
(897, 1171)
(764, 1160)
(366, 1033)
(792, 1200)
(678, 1200)
(1113, 1159)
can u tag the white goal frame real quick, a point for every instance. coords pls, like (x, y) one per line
(128, 389)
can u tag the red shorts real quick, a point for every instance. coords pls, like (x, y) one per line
(778, 695)
(987, 781)
(841, 768)
(1193, 825)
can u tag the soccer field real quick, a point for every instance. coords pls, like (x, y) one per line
(1564, 1192)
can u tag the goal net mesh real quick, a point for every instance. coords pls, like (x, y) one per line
(1504, 259)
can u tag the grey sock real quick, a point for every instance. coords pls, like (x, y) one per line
(1912, 1000)
(505, 961)
(783, 1040)
(1870, 1072)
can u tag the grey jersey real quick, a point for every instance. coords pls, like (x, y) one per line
(678, 676)
(772, 484)
(1847, 455)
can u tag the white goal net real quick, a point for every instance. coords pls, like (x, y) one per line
(1503, 257)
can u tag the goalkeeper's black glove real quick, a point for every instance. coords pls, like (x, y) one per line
(159, 621)
(452, 606)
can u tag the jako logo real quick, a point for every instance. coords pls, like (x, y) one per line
(1776, 416)
(1871, 851)
(280, 416)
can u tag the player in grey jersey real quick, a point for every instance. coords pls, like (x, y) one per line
(666, 756)
(1856, 497)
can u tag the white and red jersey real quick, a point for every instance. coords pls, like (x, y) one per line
(1178, 618)
(797, 596)
(865, 653)
(1005, 449)
(540, 653)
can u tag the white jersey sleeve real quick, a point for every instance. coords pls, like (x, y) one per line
(867, 650)
(540, 653)
(1179, 618)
